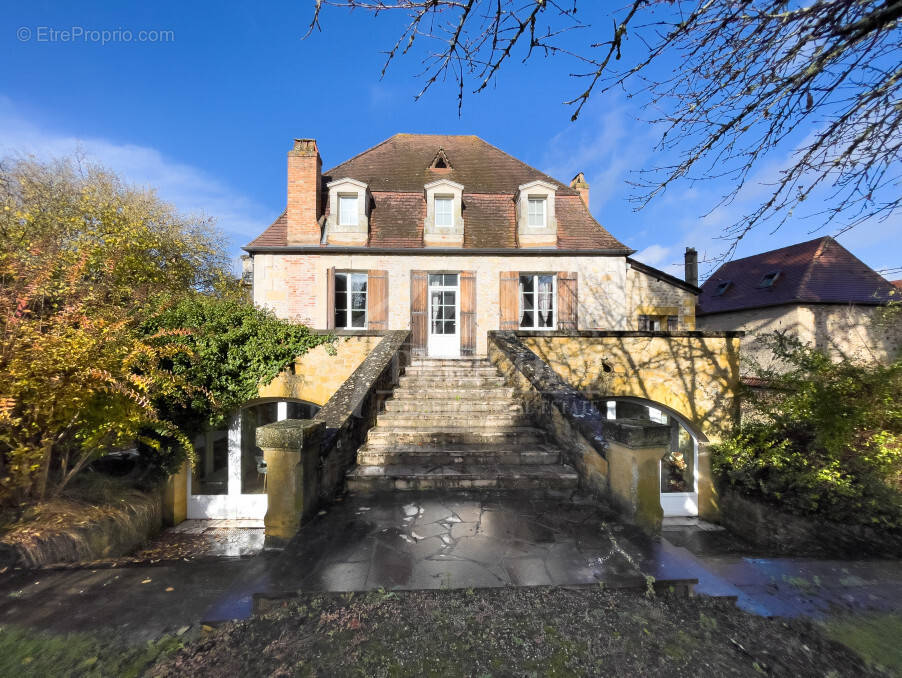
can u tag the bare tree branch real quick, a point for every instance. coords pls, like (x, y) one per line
(745, 76)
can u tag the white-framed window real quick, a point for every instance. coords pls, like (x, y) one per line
(444, 211)
(350, 300)
(538, 301)
(347, 210)
(535, 212)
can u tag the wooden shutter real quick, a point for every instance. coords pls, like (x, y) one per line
(377, 301)
(567, 297)
(468, 313)
(418, 326)
(330, 298)
(508, 304)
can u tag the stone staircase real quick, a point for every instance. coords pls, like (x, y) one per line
(454, 424)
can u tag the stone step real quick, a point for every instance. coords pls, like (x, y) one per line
(451, 419)
(458, 393)
(446, 383)
(442, 372)
(381, 478)
(449, 362)
(455, 455)
(451, 406)
(380, 437)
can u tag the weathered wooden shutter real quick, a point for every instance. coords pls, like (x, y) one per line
(377, 301)
(418, 326)
(330, 298)
(508, 304)
(468, 313)
(567, 297)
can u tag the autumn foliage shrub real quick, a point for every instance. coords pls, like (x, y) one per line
(823, 439)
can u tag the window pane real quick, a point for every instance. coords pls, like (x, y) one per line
(341, 282)
(347, 210)
(448, 298)
(435, 279)
(341, 318)
(528, 302)
(546, 318)
(449, 312)
(443, 212)
(527, 283)
(536, 212)
(451, 279)
(358, 319)
(672, 323)
(449, 327)
(526, 320)
(358, 301)
(358, 282)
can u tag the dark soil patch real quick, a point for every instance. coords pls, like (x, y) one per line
(543, 631)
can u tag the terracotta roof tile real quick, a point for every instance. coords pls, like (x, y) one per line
(397, 170)
(816, 271)
(274, 236)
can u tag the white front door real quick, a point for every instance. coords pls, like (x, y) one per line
(679, 476)
(444, 315)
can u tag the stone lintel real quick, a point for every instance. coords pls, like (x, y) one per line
(637, 433)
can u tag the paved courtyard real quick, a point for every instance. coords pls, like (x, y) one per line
(211, 571)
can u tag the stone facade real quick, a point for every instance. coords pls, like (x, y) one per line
(611, 295)
(842, 330)
(694, 374)
(648, 295)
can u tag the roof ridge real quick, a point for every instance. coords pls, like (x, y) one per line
(778, 249)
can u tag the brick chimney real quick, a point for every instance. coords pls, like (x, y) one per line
(304, 195)
(691, 266)
(582, 186)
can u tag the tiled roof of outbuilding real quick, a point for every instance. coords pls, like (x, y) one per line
(819, 271)
(397, 170)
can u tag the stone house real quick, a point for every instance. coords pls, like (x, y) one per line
(816, 290)
(486, 323)
(451, 237)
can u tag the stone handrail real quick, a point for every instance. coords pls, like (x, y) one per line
(616, 459)
(306, 459)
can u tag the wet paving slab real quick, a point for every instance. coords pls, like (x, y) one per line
(460, 540)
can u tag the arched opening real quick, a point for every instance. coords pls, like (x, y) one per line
(229, 477)
(679, 466)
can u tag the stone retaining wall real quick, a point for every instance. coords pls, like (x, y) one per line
(115, 535)
(784, 533)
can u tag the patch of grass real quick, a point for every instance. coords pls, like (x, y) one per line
(876, 638)
(25, 653)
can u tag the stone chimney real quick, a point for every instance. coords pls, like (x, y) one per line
(582, 186)
(304, 195)
(691, 266)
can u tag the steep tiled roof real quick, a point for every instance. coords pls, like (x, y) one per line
(274, 236)
(397, 170)
(897, 283)
(816, 271)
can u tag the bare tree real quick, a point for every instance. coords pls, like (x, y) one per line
(740, 79)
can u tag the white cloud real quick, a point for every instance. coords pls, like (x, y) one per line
(190, 189)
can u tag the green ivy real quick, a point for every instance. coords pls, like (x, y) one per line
(824, 439)
(229, 348)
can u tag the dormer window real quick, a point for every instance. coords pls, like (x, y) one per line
(769, 279)
(536, 223)
(536, 212)
(444, 224)
(347, 210)
(348, 221)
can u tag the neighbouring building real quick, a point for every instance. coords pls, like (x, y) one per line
(816, 290)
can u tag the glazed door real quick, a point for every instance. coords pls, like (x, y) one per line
(443, 315)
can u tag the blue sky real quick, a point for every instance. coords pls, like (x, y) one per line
(207, 116)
